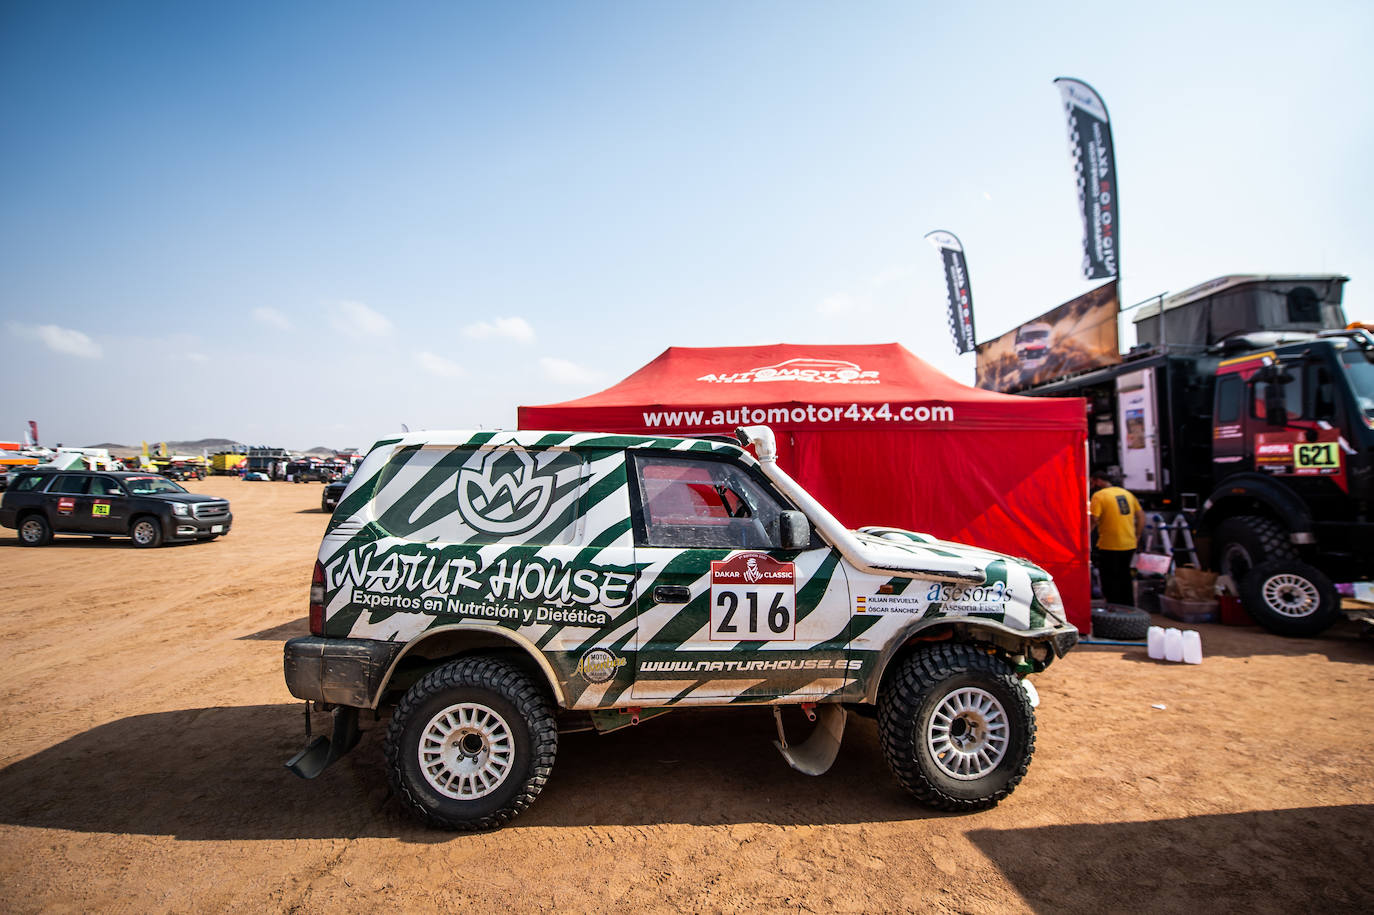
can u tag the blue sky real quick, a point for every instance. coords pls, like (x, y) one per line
(307, 223)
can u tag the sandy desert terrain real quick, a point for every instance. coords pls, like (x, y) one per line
(144, 723)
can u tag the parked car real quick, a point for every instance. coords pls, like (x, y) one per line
(334, 491)
(147, 508)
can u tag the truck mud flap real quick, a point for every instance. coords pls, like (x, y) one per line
(817, 754)
(321, 752)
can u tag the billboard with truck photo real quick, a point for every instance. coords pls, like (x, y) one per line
(1077, 336)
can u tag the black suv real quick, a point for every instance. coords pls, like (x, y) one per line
(333, 492)
(145, 507)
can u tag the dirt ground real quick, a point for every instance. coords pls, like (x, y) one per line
(144, 723)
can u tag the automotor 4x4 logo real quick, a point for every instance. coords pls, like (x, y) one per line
(505, 494)
(816, 371)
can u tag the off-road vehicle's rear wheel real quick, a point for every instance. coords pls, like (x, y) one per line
(957, 729)
(1290, 597)
(472, 744)
(34, 530)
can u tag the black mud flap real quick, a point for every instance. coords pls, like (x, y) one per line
(321, 752)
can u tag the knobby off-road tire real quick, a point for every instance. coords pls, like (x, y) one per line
(1290, 597)
(1245, 541)
(471, 745)
(957, 729)
(34, 530)
(146, 532)
(1126, 624)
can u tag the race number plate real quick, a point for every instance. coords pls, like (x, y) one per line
(753, 599)
(1317, 456)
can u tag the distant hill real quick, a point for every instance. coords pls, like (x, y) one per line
(208, 445)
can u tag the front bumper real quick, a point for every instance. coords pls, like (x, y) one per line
(192, 528)
(337, 671)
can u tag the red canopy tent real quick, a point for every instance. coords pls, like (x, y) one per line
(878, 437)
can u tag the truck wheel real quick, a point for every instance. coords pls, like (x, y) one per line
(146, 532)
(1126, 624)
(471, 745)
(1290, 597)
(1245, 541)
(957, 729)
(35, 531)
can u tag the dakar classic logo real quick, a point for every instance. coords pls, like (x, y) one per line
(816, 371)
(751, 571)
(504, 494)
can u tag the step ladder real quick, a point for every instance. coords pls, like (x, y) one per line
(1170, 538)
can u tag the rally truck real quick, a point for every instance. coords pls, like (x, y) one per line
(482, 586)
(1247, 410)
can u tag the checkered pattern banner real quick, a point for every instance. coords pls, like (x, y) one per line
(956, 281)
(1094, 166)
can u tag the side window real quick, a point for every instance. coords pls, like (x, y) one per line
(69, 484)
(1229, 391)
(32, 482)
(705, 504)
(104, 486)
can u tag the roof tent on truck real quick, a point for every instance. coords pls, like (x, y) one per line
(1232, 306)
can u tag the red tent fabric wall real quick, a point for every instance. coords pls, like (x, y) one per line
(878, 437)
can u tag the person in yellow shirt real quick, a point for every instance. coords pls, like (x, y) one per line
(1119, 522)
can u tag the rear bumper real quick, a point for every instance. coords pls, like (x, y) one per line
(337, 671)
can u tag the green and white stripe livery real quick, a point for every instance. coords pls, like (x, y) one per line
(642, 571)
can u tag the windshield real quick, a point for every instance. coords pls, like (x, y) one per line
(150, 486)
(1359, 368)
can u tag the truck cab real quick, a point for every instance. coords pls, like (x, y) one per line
(1248, 407)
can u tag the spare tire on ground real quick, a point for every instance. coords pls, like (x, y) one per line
(1115, 621)
(1289, 597)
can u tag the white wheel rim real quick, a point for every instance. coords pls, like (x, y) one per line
(1291, 595)
(968, 734)
(466, 751)
(143, 532)
(32, 531)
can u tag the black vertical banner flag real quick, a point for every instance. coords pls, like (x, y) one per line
(1094, 165)
(960, 297)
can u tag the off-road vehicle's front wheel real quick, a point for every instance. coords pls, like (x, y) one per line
(1289, 597)
(957, 729)
(472, 744)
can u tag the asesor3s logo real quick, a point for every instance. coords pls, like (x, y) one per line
(504, 494)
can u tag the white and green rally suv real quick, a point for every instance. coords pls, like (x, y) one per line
(482, 581)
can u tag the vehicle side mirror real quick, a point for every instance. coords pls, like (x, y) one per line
(1274, 377)
(796, 531)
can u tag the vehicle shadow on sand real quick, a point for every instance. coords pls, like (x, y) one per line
(1344, 641)
(1267, 860)
(77, 542)
(280, 633)
(217, 773)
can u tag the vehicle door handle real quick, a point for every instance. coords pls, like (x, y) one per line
(672, 594)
